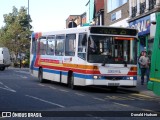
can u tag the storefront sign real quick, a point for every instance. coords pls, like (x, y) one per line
(142, 25)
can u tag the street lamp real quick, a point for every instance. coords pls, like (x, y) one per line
(28, 7)
(28, 16)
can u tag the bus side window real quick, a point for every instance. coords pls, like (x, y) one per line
(70, 44)
(50, 45)
(43, 45)
(59, 46)
(82, 45)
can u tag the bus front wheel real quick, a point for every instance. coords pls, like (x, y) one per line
(40, 75)
(71, 81)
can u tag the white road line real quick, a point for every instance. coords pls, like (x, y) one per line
(61, 106)
(52, 87)
(22, 72)
(79, 94)
(99, 99)
(24, 77)
(147, 110)
(124, 105)
(64, 91)
(8, 89)
(41, 85)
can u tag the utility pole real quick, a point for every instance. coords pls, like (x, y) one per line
(28, 16)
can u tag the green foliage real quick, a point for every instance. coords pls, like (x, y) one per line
(17, 27)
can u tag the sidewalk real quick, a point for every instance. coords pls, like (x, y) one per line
(141, 89)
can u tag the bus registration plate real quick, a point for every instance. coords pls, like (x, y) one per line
(113, 84)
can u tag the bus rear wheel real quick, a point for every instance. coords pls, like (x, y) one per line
(40, 75)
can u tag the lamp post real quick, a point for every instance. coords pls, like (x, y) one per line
(28, 16)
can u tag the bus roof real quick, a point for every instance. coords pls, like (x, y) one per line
(76, 30)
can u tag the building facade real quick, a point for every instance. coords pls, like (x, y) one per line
(116, 13)
(142, 13)
(73, 19)
(99, 12)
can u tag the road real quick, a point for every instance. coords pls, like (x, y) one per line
(19, 91)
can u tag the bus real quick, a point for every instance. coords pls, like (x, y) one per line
(154, 83)
(64, 56)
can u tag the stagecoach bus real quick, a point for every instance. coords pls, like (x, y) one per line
(86, 56)
(154, 83)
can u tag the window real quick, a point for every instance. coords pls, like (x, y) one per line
(113, 4)
(82, 45)
(59, 46)
(70, 45)
(50, 45)
(34, 45)
(43, 45)
(112, 50)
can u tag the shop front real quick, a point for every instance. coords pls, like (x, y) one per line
(143, 26)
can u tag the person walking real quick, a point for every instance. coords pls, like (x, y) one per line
(144, 66)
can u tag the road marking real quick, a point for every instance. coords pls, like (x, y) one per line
(142, 95)
(121, 104)
(22, 72)
(41, 85)
(24, 77)
(64, 91)
(8, 89)
(99, 99)
(79, 94)
(52, 87)
(55, 104)
(147, 110)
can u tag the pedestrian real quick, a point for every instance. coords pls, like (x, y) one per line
(144, 66)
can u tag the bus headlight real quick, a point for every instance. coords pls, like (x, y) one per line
(129, 78)
(96, 77)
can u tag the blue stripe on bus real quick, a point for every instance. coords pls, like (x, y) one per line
(78, 75)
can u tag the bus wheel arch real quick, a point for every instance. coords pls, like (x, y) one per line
(40, 75)
(70, 80)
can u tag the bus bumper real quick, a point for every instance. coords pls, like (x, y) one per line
(112, 82)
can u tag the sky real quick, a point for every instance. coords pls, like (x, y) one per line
(46, 15)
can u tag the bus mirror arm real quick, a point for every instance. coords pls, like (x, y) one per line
(104, 60)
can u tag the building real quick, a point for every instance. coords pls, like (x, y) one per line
(116, 13)
(99, 12)
(141, 13)
(83, 19)
(90, 12)
(74, 20)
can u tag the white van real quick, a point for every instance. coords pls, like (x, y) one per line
(5, 60)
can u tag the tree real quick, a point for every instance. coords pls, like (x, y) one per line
(14, 34)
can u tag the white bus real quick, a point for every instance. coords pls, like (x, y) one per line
(87, 56)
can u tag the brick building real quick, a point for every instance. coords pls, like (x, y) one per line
(116, 13)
